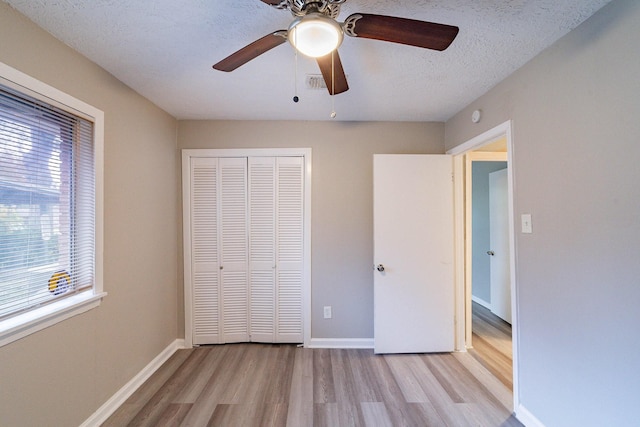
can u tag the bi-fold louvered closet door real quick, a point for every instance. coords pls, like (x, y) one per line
(246, 249)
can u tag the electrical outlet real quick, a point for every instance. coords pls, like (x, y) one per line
(327, 312)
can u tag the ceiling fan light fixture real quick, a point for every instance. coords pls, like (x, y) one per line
(315, 35)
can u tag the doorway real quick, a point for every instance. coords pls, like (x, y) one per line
(481, 148)
(484, 221)
(488, 259)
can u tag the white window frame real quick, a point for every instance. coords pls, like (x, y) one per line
(19, 326)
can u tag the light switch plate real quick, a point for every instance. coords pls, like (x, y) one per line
(327, 312)
(526, 224)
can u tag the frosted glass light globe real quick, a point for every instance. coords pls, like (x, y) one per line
(315, 35)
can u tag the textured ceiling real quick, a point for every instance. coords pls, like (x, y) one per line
(164, 49)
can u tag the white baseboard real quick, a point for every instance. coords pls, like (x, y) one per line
(527, 418)
(481, 302)
(341, 343)
(111, 405)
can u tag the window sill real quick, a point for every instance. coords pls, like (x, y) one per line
(20, 326)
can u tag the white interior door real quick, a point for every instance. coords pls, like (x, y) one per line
(276, 253)
(413, 242)
(289, 248)
(499, 239)
(247, 245)
(262, 244)
(234, 249)
(203, 245)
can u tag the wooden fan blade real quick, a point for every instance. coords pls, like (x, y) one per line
(424, 34)
(252, 51)
(333, 67)
(272, 2)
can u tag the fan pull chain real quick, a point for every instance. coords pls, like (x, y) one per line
(333, 87)
(295, 72)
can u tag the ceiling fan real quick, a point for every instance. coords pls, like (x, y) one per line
(315, 32)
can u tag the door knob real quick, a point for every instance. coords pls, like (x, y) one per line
(490, 253)
(380, 267)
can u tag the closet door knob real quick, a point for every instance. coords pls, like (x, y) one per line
(380, 268)
(491, 253)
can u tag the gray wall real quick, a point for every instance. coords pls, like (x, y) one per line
(576, 136)
(480, 229)
(342, 200)
(61, 375)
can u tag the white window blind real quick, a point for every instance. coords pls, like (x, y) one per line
(47, 203)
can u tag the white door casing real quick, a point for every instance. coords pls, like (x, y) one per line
(413, 241)
(463, 304)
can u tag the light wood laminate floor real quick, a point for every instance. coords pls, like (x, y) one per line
(283, 385)
(492, 344)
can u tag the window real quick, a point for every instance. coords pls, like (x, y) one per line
(50, 219)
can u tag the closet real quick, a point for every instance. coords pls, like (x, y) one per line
(244, 234)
